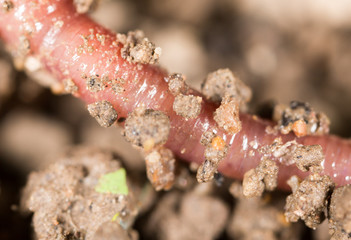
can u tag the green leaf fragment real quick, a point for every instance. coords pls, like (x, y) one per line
(114, 218)
(114, 182)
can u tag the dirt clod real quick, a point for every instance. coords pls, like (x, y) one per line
(206, 171)
(309, 201)
(138, 49)
(103, 112)
(301, 119)
(7, 6)
(227, 115)
(117, 85)
(264, 176)
(160, 168)
(216, 149)
(340, 213)
(306, 157)
(187, 106)
(309, 158)
(94, 83)
(70, 86)
(176, 84)
(65, 203)
(147, 128)
(24, 45)
(224, 83)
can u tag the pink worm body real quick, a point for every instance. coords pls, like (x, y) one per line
(55, 32)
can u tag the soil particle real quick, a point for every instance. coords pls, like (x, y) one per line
(309, 200)
(227, 115)
(195, 216)
(70, 86)
(24, 47)
(340, 213)
(160, 168)
(264, 176)
(224, 83)
(103, 112)
(147, 128)
(206, 171)
(176, 84)
(187, 106)
(294, 183)
(206, 138)
(66, 204)
(7, 6)
(94, 83)
(84, 6)
(309, 158)
(101, 38)
(85, 47)
(280, 150)
(20, 54)
(301, 119)
(117, 85)
(138, 49)
(306, 158)
(215, 150)
(253, 185)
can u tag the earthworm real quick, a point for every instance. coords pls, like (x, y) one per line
(54, 33)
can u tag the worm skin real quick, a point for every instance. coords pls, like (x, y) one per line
(55, 33)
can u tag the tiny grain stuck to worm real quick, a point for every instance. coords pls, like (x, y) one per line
(119, 73)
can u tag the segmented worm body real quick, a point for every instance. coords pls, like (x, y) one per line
(70, 46)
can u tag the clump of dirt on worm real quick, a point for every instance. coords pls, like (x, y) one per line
(227, 115)
(215, 150)
(68, 205)
(160, 168)
(305, 157)
(103, 112)
(309, 199)
(187, 106)
(223, 82)
(138, 49)
(147, 128)
(300, 118)
(7, 6)
(176, 84)
(264, 176)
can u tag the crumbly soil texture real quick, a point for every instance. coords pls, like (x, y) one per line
(271, 58)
